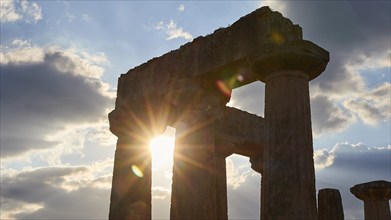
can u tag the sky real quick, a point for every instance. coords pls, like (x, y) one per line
(60, 61)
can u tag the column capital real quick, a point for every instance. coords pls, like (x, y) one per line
(372, 191)
(144, 118)
(302, 55)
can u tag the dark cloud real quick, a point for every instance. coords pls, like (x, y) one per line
(41, 98)
(353, 164)
(356, 33)
(59, 196)
(349, 30)
(327, 116)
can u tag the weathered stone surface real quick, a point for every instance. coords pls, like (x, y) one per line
(188, 89)
(302, 55)
(221, 55)
(131, 191)
(288, 178)
(375, 195)
(241, 133)
(330, 205)
(194, 194)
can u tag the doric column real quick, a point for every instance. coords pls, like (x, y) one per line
(375, 196)
(330, 205)
(288, 180)
(131, 184)
(198, 169)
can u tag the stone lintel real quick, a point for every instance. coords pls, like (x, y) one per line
(300, 55)
(218, 56)
(241, 133)
(372, 191)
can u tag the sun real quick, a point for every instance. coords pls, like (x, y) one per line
(162, 150)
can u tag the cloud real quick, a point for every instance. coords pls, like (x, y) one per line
(56, 192)
(357, 45)
(346, 165)
(323, 159)
(249, 98)
(181, 7)
(243, 189)
(344, 93)
(373, 106)
(159, 192)
(70, 17)
(353, 159)
(87, 18)
(363, 159)
(48, 91)
(328, 117)
(172, 31)
(235, 176)
(13, 11)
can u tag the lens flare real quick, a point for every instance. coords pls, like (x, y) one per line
(223, 87)
(137, 171)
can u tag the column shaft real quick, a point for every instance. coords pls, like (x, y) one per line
(131, 186)
(377, 210)
(221, 188)
(194, 171)
(288, 181)
(330, 205)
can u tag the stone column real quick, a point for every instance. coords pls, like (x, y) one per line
(223, 150)
(131, 185)
(330, 205)
(194, 172)
(197, 169)
(288, 180)
(375, 195)
(221, 188)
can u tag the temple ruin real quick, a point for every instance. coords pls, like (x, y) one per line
(188, 89)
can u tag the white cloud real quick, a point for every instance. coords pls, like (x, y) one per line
(70, 17)
(323, 159)
(87, 18)
(13, 10)
(181, 7)
(373, 106)
(21, 51)
(237, 172)
(10, 208)
(159, 192)
(172, 31)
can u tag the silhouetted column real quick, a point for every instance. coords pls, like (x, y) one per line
(375, 196)
(330, 205)
(131, 185)
(194, 171)
(197, 169)
(288, 179)
(221, 188)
